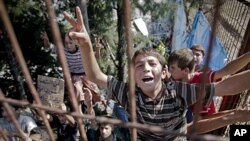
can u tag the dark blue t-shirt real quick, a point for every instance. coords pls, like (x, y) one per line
(65, 132)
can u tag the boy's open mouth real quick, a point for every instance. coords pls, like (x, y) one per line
(148, 79)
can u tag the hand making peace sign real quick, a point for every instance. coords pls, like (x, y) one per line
(80, 35)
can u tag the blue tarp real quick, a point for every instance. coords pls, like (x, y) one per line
(200, 34)
(180, 27)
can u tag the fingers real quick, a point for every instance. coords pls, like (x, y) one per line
(88, 94)
(69, 18)
(75, 35)
(44, 35)
(77, 24)
(86, 90)
(78, 86)
(63, 107)
(79, 18)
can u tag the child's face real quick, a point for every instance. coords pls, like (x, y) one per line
(198, 57)
(148, 73)
(176, 72)
(69, 44)
(62, 118)
(106, 130)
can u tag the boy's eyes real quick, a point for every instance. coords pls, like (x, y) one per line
(171, 67)
(69, 42)
(142, 65)
(138, 66)
(197, 54)
(153, 64)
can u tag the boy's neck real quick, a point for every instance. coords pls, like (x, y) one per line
(153, 95)
(74, 51)
(109, 138)
(188, 77)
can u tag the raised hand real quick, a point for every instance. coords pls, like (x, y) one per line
(80, 33)
(79, 91)
(88, 97)
(45, 39)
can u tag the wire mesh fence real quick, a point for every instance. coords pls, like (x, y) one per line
(233, 22)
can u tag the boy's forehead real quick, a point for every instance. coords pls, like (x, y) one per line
(143, 58)
(174, 63)
(106, 125)
(67, 38)
(197, 51)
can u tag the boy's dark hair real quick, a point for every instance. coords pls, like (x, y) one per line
(149, 52)
(68, 31)
(200, 48)
(101, 109)
(184, 58)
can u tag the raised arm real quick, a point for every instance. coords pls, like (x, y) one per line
(222, 119)
(80, 35)
(90, 109)
(234, 84)
(69, 118)
(233, 66)
(45, 39)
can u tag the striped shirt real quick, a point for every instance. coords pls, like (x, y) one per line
(167, 110)
(74, 60)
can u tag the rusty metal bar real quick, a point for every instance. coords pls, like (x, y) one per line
(23, 65)
(100, 119)
(7, 134)
(133, 124)
(63, 62)
(207, 59)
(13, 117)
(3, 135)
(127, 19)
(234, 25)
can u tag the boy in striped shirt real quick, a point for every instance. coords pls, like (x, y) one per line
(157, 103)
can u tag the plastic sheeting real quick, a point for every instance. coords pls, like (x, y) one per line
(200, 34)
(179, 37)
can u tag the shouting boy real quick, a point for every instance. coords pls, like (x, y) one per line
(158, 103)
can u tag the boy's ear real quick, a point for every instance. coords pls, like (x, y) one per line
(165, 73)
(186, 70)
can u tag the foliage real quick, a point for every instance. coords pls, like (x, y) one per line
(150, 6)
(151, 41)
(100, 16)
(28, 19)
(103, 26)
